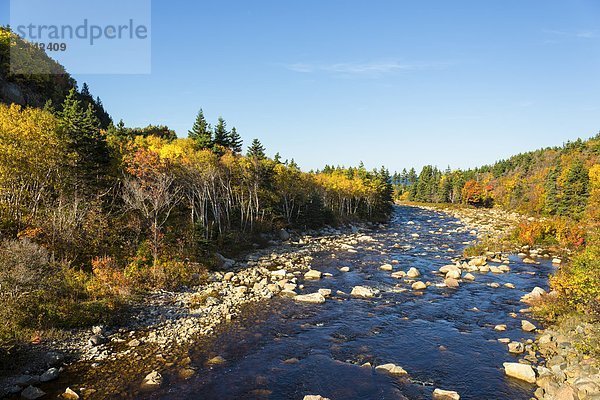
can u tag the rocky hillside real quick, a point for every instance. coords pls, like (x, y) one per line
(30, 89)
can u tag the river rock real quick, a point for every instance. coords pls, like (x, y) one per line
(527, 326)
(556, 261)
(528, 260)
(288, 293)
(451, 283)
(312, 274)
(535, 294)
(478, 261)
(152, 381)
(97, 340)
(523, 372)
(186, 373)
(49, 375)
(413, 273)
(439, 394)
(484, 269)
(229, 276)
(386, 267)
(509, 285)
(454, 274)
(345, 269)
(516, 347)
(325, 292)
(398, 274)
(312, 298)
(500, 328)
(32, 393)
(314, 397)
(284, 235)
(391, 369)
(363, 291)
(218, 360)
(70, 394)
(419, 286)
(469, 277)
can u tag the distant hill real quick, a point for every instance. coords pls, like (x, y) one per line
(30, 89)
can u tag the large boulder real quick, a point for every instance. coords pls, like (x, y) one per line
(313, 298)
(523, 372)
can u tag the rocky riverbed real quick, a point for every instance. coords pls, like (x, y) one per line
(391, 311)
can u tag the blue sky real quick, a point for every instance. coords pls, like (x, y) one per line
(398, 83)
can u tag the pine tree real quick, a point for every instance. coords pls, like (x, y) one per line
(235, 141)
(201, 132)
(256, 150)
(82, 129)
(277, 158)
(576, 191)
(221, 135)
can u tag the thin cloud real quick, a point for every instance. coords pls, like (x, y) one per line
(580, 34)
(368, 69)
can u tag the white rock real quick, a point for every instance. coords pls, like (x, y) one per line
(439, 394)
(413, 273)
(386, 267)
(313, 298)
(312, 274)
(152, 380)
(520, 371)
(363, 291)
(325, 292)
(391, 369)
(469, 277)
(516, 347)
(527, 326)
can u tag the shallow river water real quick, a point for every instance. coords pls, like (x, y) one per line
(443, 338)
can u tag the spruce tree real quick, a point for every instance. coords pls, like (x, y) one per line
(256, 150)
(221, 135)
(576, 191)
(82, 129)
(235, 141)
(201, 132)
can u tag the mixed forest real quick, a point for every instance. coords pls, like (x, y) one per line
(93, 212)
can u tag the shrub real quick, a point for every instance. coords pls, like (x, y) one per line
(22, 267)
(578, 282)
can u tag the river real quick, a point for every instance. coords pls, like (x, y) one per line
(444, 338)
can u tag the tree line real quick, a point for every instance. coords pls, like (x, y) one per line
(558, 181)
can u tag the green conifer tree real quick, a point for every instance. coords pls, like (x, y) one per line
(256, 150)
(201, 132)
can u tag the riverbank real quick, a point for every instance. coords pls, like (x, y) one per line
(566, 370)
(163, 322)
